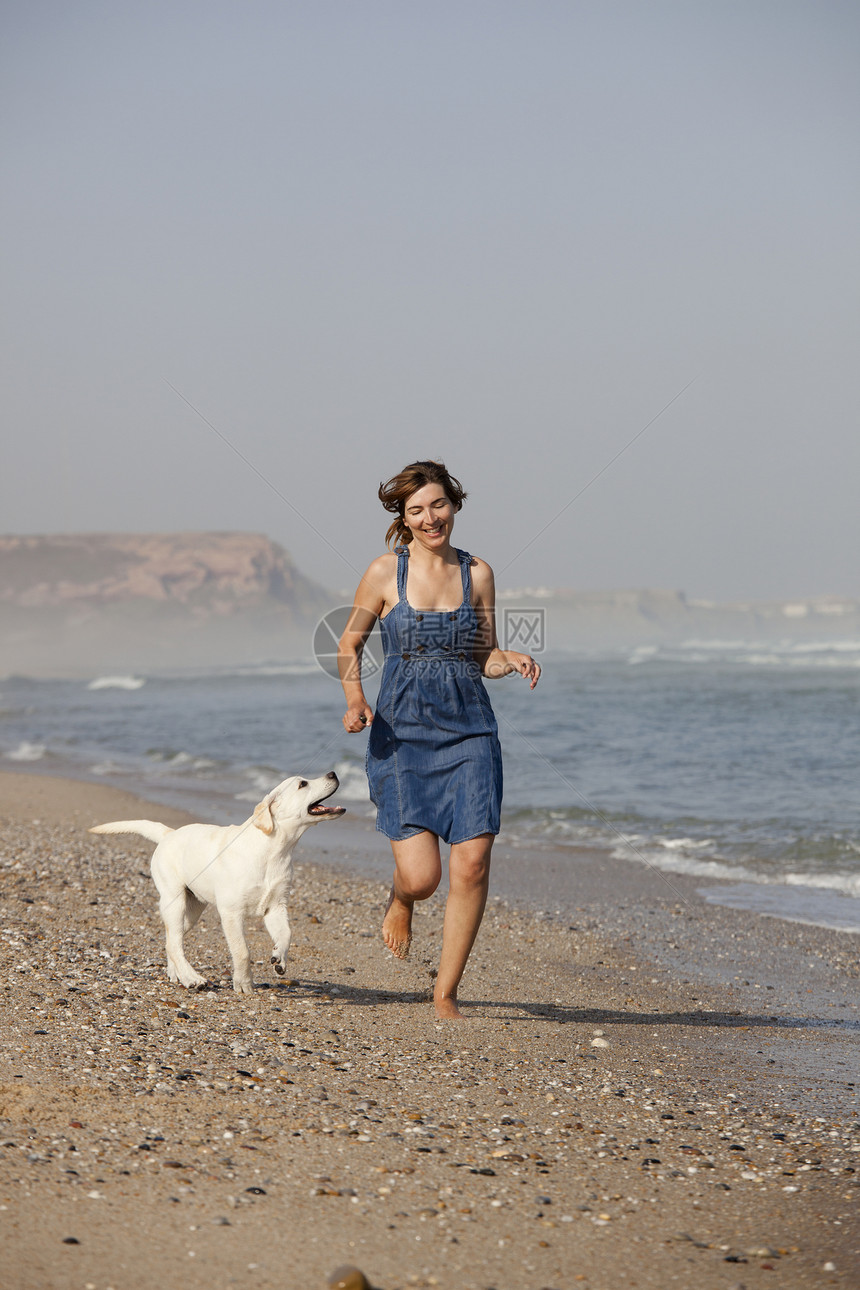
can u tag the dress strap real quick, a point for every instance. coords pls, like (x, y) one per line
(402, 554)
(466, 575)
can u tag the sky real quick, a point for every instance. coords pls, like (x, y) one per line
(600, 258)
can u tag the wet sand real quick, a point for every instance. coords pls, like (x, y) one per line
(649, 1089)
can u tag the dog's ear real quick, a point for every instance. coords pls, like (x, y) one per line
(263, 818)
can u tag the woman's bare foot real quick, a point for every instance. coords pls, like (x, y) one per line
(397, 926)
(447, 1010)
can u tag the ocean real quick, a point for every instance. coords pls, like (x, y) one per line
(722, 760)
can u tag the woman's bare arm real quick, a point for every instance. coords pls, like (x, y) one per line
(372, 598)
(495, 662)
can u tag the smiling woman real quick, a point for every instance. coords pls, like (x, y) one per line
(394, 495)
(434, 764)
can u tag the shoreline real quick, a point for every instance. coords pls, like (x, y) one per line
(333, 1120)
(668, 919)
(189, 743)
(817, 906)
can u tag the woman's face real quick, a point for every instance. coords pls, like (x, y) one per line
(429, 513)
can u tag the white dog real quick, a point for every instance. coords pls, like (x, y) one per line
(242, 869)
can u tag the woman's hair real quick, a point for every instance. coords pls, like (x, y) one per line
(395, 493)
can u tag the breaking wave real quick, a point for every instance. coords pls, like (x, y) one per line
(117, 683)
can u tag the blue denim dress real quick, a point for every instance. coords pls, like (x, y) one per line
(433, 755)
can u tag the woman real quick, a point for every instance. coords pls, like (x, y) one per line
(433, 758)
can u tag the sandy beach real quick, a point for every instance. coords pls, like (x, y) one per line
(649, 1090)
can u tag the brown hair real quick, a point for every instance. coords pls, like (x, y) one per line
(395, 493)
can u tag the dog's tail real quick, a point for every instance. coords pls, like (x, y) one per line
(146, 828)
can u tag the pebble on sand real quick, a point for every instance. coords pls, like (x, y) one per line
(348, 1277)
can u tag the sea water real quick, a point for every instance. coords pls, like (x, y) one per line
(722, 760)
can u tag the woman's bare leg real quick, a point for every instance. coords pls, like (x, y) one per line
(467, 896)
(417, 871)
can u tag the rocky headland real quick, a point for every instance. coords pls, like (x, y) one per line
(74, 603)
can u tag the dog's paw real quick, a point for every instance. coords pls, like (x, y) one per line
(279, 966)
(243, 987)
(195, 982)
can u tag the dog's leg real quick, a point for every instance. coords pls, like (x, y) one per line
(180, 909)
(174, 916)
(233, 922)
(278, 926)
(193, 909)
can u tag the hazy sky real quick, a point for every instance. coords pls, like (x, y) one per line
(508, 234)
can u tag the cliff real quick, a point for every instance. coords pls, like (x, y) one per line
(81, 603)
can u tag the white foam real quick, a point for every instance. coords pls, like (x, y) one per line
(847, 884)
(642, 653)
(27, 752)
(826, 647)
(754, 653)
(109, 768)
(678, 860)
(301, 667)
(685, 844)
(677, 855)
(117, 683)
(262, 779)
(717, 646)
(353, 781)
(183, 761)
(576, 832)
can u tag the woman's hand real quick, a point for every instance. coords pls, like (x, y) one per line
(501, 662)
(357, 717)
(525, 665)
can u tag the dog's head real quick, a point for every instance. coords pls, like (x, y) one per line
(296, 804)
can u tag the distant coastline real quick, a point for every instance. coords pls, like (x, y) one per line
(83, 604)
(623, 618)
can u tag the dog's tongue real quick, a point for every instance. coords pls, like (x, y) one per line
(317, 808)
